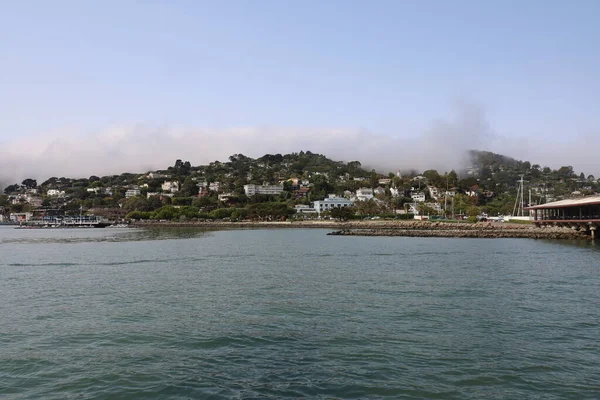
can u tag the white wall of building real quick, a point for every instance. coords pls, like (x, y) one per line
(252, 189)
(363, 194)
(330, 203)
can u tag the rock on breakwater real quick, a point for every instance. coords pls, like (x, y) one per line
(392, 228)
(532, 233)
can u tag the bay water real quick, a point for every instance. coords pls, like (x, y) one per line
(293, 313)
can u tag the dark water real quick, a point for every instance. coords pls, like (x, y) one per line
(185, 314)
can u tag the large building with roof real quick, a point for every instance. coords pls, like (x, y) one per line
(581, 213)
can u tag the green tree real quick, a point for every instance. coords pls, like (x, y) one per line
(452, 178)
(29, 183)
(343, 213)
(433, 177)
(238, 214)
(11, 188)
(221, 213)
(189, 188)
(473, 211)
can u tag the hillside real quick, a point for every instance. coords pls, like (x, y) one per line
(219, 189)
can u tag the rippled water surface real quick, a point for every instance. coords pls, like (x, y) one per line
(186, 314)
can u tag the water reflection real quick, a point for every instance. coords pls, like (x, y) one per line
(81, 235)
(582, 244)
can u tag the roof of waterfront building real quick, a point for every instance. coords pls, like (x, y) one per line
(582, 201)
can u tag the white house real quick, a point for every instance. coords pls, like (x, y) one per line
(55, 193)
(413, 208)
(252, 189)
(20, 217)
(385, 181)
(330, 203)
(363, 194)
(225, 196)
(94, 190)
(132, 193)
(396, 192)
(435, 206)
(379, 190)
(304, 209)
(214, 186)
(170, 186)
(434, 192)
(418, 197)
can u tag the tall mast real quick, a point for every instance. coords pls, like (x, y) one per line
(522, 196)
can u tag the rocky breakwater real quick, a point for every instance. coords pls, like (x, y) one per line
(460, 230)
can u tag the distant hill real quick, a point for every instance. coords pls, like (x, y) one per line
(489, 183)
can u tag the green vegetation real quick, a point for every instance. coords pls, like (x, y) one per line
(216, 191)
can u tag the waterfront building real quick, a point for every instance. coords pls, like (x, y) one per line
(581, 213)
(20, 217)
(304, 209)
(331, 202)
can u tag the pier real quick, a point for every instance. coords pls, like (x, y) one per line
(67, 222)
(577, 214)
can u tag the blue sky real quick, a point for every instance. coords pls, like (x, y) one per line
(70, 69)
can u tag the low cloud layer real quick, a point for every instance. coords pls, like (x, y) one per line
(140, 148)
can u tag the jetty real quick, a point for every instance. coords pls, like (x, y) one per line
(66, 222)
(412, 228)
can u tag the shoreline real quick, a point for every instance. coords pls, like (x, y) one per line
(392, 228)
